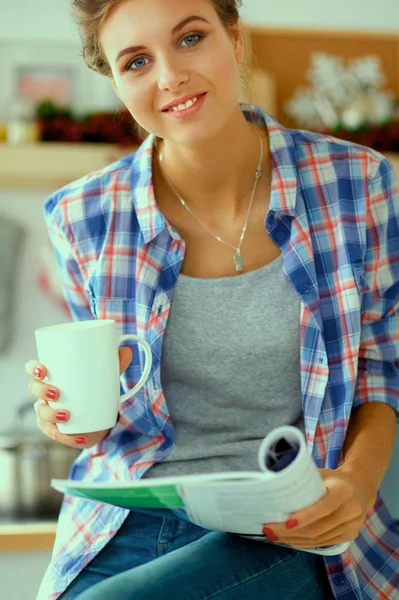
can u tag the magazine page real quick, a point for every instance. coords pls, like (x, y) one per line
(291, 482)
(233, 502)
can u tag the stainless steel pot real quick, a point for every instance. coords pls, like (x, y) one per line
(28, 462)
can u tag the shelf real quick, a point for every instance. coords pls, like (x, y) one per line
(53, 165)
(22, 537)
(393, 157)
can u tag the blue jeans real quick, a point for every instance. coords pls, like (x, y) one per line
(168, 558)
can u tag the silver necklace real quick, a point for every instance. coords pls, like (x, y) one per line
(237, 258)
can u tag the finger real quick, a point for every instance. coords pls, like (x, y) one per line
(329, 508)
(339, 538)
(51, 431)
(343, 519)
(43, 391)
(46, 413)
(93, 438)
(324, 531)
(36, 369)
(310, 542)
(125, 358)
(79, 441)
(319, 528)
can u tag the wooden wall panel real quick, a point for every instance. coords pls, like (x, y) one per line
(286, 55)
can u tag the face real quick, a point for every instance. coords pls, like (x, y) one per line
(175, 59)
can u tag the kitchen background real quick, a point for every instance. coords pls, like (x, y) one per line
(39, 43)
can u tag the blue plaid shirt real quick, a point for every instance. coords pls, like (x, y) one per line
(334, 211)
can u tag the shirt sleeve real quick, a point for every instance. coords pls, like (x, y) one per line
(378, 367)
(69, 264)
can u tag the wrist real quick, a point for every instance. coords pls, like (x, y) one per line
(362, 481)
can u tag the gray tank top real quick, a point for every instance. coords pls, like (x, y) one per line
(230, 369)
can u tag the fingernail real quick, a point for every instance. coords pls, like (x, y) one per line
(37, 372)
(291, 523)
(51, 394)
(269, 533)
(61, 416)
(80, 440)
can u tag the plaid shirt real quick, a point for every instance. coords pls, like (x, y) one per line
(334, 211)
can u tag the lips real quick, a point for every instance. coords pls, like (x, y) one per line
(183, 102)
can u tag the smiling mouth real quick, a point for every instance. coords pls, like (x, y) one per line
(182, 107)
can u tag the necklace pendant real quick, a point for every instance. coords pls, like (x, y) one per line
(238, 260)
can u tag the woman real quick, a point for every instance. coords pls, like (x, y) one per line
(280, 250)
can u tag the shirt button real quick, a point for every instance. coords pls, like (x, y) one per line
(339, 580)
(280, 235)
(305, 289)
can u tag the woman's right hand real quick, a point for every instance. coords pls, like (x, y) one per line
(47, 417)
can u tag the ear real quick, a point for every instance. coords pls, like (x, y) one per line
(237, 36)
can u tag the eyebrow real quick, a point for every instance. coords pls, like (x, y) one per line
(175, 29)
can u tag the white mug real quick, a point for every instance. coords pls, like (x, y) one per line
(82, 362)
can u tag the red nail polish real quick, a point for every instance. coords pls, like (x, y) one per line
(51, 394)
(80, 440)
(291, 523)
(37, 372)
(271, 536)
(61, 416)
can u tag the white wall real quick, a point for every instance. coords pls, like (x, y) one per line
(39, 20)
(50, 20)
(325, 14)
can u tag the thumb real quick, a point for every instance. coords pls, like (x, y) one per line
(125, 358)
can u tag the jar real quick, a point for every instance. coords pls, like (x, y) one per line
(21, 122)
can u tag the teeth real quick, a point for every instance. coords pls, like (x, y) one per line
(185, 106)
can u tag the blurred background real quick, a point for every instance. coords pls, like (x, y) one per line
(317, 65)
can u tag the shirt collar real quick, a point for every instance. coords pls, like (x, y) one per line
(284, 174)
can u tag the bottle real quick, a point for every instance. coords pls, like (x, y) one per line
(21, 122)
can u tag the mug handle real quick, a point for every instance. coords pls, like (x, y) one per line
(147, 366)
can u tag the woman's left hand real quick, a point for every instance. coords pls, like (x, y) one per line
(334, 519)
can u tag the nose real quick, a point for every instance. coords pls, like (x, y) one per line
(172, 74)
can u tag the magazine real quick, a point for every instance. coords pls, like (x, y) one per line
(237, 502)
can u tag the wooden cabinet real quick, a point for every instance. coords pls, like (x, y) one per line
(20, 537)
(52, 165)
(394, 159)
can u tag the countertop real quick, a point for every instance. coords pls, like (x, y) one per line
(24, 535)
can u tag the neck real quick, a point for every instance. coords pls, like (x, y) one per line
(217, 174)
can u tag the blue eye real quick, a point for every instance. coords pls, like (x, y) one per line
(192, 35)
(130, 65)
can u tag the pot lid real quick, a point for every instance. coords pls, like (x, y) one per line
(13, 440)
(20, 433)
